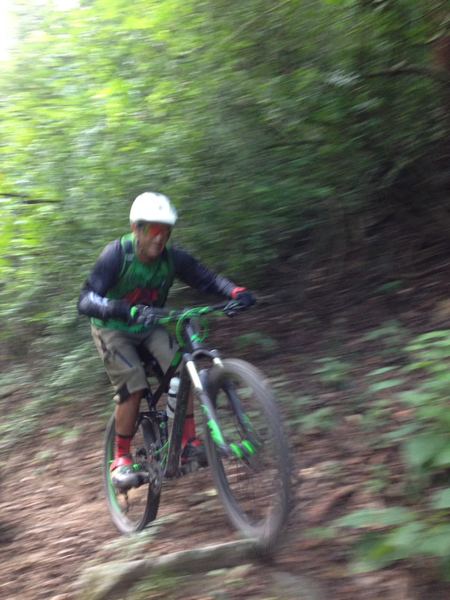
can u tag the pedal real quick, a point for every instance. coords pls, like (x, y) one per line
(131, 481)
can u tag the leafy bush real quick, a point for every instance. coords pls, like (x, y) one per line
(428, 452)
(258, 341)
(333, 372)
(392, 335)
(397, 532)
(279, 126)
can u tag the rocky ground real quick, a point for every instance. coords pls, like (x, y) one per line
(54, 521)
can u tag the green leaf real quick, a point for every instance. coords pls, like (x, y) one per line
(442, 458)
(372, 552)
(377, 550)
(382, 517)
(382, 371)
(436, 542)
(423, 449)
(385, 385)
(320, 533)
(406, 536)
(402, 432)
(416, 397)
(441, 499)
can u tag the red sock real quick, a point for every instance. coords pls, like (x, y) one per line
(123, 443)
(189, 430)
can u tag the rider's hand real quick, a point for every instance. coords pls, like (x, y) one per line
(141, 314)
(115, 309)
(243, 296)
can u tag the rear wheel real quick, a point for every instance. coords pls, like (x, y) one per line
(132, 509)
(253, 483)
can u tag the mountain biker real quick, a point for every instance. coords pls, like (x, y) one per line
(130, 279)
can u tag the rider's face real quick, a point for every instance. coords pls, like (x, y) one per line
(152, 239)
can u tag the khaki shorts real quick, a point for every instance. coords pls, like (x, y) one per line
(118, 350)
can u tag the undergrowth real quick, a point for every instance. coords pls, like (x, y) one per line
(418, 526)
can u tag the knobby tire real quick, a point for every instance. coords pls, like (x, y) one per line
(224, 384)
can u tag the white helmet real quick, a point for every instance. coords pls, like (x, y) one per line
(153, 208)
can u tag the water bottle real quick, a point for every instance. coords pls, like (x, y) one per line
(172, 397)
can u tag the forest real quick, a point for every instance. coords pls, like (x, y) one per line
(306, 146)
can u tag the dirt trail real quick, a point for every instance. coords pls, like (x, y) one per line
(53, 518)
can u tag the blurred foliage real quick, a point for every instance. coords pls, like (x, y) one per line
(398, 532)
(298, 132)
(285, 130)
(392, 336)
(322, 419)
(333, 372)
(428, 452)
(257, 342)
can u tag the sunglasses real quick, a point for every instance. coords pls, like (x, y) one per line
(154, 229)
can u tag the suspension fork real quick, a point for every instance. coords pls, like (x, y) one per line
(241, 417)
(199, 382)
(241, 449)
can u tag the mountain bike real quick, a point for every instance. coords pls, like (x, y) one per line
(245, 444)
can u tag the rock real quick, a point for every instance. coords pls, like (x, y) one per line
(238, 573)
(110, 581)
(207, 558)
(201, 497)
(297, 587)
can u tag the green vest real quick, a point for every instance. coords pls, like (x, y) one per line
(139, 283)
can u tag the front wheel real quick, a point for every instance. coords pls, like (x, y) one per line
(254, 480)
(132, 509)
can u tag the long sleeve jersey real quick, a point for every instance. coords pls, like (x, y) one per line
(119, 280)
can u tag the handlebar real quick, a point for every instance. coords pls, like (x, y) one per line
(229, 308)
(179, 317)
(161, 316)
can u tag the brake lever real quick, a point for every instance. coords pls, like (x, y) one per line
(233, 307)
